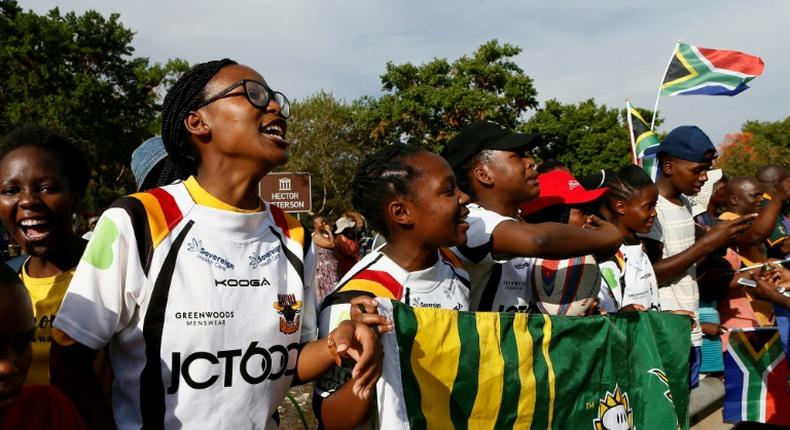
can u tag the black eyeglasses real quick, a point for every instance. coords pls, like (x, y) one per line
(257, 93)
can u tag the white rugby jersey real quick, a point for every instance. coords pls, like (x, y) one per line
(204, 310)
(443, 285)
(628, 278)
(498, 285)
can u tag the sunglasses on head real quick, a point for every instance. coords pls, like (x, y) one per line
(258, 94)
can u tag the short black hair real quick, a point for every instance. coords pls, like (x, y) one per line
(380, 177)
(664, 157)
(626, 184)
(72, 160)
(463, 173)
(185, 95)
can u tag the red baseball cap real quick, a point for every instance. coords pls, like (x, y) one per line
(558, 187)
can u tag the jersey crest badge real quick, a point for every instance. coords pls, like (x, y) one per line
(288, 308)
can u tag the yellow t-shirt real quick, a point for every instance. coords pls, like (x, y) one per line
(46, 295)
(204, 198)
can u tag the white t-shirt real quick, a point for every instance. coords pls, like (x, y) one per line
(628, 279)
(498, 284)
(674, 227)
(439, 286)
(204, 310)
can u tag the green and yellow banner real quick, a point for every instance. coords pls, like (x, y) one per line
(486, 370)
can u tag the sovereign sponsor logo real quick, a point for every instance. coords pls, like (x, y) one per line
(253, 365)
(242, 283)
(260, 260)
(288, 308)
(196, 246)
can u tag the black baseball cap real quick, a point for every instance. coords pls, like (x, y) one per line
(686, 142)
(481, 135)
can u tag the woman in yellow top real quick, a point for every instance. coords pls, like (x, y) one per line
(42, 180)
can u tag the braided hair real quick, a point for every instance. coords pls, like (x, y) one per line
(380, 177)
(73, 164)
(626, 185)
(182, 98)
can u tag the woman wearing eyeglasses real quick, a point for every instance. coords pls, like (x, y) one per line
(198, 286)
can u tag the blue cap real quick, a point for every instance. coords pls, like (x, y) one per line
(686, 142)
(146, 157)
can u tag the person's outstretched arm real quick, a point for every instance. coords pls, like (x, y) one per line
(718, 236)
(554, 240)
(764, 224)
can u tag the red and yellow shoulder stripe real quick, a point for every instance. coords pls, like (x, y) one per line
(162, 211)
(376, 282)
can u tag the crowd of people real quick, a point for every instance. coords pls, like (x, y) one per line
(195, 304)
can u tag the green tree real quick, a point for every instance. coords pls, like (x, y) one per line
(429, 103)
(759, 143)
(584, 136)
(76, 73)
(327, 141)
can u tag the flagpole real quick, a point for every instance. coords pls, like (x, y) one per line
(630, 130)
(661, 84)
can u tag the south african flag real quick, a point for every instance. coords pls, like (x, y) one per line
(448, 369)
(642, 137)
(755, 377)
(715, 72)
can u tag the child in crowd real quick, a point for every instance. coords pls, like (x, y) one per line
(23, 406)
(199, 285)
(491, 166)
(684, 157)
(716, 275)
(629, 281)
(564, 200)
(409, 195)
(42, 180)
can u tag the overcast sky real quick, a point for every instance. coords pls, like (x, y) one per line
(574, 50)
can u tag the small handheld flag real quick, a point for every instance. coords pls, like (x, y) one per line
(642, 137)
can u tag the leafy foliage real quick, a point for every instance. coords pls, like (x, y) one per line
(586, 136)
(758, 144)
(76, 74)
(429, 103)
(327, 142)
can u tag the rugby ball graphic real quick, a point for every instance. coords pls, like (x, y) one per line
(566, 287)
